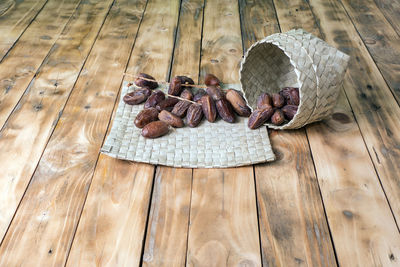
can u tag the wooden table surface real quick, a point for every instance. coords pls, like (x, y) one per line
(331, 198)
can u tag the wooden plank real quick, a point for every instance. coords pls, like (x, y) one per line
(391, 10)
(362, 225)
(166, 238)
(112, 225)
(23, 61)
(223, 228)
(257, 20)
(27, 131)
(30, 126)
(377, 112)
(293, 227)
(120, 189)
(15, 17)
(380, 38)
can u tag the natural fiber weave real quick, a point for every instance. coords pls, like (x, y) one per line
(295, 59)
(210, 145)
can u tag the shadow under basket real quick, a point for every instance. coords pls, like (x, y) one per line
(295, 59)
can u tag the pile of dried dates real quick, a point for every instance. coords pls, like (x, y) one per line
(277, 108)
(164, 110)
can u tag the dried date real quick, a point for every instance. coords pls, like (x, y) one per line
(224, 109)
(278, 117)
(211, 80)
(194, 115)
(185, 80)
(145, 117)
(175, 86)
(198, 95)
(138, 96)
(263, 101)
(180, 108)
(167, 104)
(215, 92)
(289, 111)
(187, 94)
(259, 117)
(155, 129)
(278, 101)
(209, 109)
(170, 119)
(291, 95)
(238, 103)
(145, 83)
(155, 98)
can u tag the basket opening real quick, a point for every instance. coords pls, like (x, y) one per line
(266, 69)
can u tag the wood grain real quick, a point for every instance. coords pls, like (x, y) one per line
(347, 179)
(391, 10)
(257, 20)
(293, 227)
(377, 112)
(28, 129)
(223, 227)
(111, 228)
(166, 238)
(167, 229)
(380, 38)
(15, 17)
(362, 225)
(117, 233)
(18, 69)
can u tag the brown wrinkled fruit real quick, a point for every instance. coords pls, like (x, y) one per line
(155, 129)
(211, 80)
(289, 111)
(278, 101)
(155, 98)
(259, 117)
(187, 94)
(285, 92)
(194, 115)
(167, 104)
(278, 117)
(144, 83)
(180, 108)
(263, 100)
(198, 95)
(224, 109)
(215, 92)
(209, 109)
(264, 106)
(138, 96)
(185, 80)
(175, 86)
(238, 103)
(145, 117)
(291, 95)
(170, 119)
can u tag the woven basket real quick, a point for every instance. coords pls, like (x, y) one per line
(295, 59)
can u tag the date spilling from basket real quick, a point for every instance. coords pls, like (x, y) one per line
(180, 106)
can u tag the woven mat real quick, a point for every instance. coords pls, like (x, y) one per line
(210, 145)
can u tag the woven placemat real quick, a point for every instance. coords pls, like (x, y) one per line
(210, 145)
